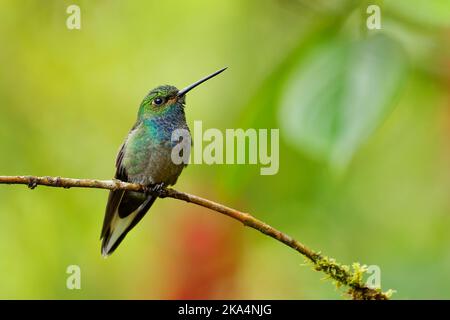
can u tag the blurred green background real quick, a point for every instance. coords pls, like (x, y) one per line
(364, 144)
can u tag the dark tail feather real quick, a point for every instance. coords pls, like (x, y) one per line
(128, 211)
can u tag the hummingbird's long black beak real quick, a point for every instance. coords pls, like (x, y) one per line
(182, 92)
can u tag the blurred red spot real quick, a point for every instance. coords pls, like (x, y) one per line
(206, 251)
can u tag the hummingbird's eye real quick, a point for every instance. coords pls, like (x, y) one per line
(158, 101)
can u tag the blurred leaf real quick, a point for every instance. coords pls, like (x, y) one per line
(338, 94)
(262, 109)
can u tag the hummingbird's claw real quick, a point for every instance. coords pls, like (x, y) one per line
(32, 183)
(155, 188)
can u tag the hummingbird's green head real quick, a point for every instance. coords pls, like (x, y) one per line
(160, 99)
(165, 98)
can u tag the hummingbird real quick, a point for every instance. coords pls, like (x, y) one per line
(145, 158)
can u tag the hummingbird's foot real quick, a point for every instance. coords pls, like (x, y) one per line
(156, 188)
(32, 183)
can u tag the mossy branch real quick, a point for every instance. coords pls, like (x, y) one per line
(344, 276)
